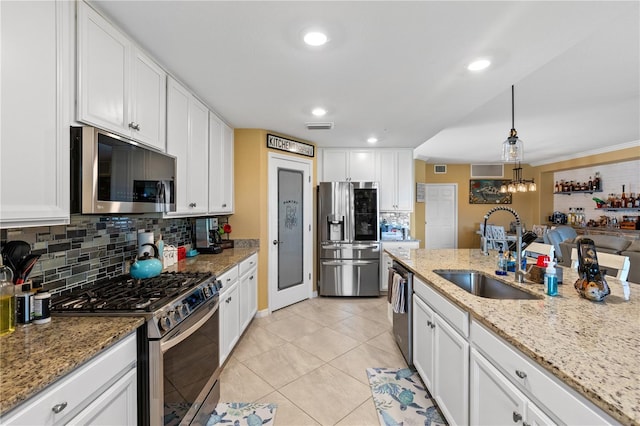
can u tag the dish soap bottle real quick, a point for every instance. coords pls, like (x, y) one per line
(7, 301)
(502, 264)
(551, 280)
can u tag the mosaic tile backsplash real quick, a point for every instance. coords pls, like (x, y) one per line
(91, 248)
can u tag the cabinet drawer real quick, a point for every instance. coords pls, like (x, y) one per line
(248, 263)
(78, 388)
(228, 278)
(455, 316)
(565, 403)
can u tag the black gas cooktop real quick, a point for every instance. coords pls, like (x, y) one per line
(127, 295)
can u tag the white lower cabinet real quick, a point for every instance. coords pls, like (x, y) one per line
(101, 392)
(248, 290)
(441, 352)
(229, 313)
(496, 401)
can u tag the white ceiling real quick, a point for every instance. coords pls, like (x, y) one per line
(397, 70)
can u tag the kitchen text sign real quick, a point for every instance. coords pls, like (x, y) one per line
(277, 142)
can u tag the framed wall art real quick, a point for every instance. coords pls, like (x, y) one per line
(487, 191)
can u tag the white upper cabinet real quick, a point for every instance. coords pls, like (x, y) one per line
(119, 88)
(188, 140)
(339, 165)
(220, 166)
(35, 105)
(396, 180)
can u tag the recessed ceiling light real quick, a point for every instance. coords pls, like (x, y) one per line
(372, 140)
(479, 65)
(319, 112)
(315, 38)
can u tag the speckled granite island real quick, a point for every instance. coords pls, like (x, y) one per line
(36, 356)
(592, 347)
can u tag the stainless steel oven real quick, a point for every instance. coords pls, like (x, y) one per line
(184, 370)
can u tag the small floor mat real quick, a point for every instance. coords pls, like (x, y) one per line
(401, 398)
(231, 413)
(243, 413)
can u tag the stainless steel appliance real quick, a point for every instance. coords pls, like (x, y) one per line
(403, 321)
(178, 359)
(111, 174)
(348, 246)
(208, 238)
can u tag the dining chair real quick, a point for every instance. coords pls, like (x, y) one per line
(608, 261)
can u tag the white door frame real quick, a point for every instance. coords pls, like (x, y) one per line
(455, 211)
(273, 223)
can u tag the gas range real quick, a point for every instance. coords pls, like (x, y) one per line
(165, 301)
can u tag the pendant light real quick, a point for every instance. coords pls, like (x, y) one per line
(512, 149)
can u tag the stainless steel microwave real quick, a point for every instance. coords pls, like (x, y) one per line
(111, 174)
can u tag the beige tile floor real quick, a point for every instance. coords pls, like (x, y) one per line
(311, 358)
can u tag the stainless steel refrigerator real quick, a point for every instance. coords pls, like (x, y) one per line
(348, 245)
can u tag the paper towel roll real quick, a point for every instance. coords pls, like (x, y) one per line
(144, 238)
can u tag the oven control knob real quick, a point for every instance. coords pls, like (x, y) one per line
(207, 292)
(175, 314)
(184, 310)
(164, 323)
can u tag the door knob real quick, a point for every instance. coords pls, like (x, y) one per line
(276, 242)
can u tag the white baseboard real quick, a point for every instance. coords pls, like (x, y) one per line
(314, 294)
(262, 313)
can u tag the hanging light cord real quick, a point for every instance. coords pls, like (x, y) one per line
(513, 133)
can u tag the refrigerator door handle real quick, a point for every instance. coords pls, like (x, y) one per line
(348, 262)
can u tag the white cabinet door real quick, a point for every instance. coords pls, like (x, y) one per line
(395, 179)
(115, 406)
(35, 105)
(104, 56)
(220, 166)
(248, 297)
(451, 368)
(149, 101)
(188, 140)
(536, 417)
(405, 180)
(229, 321)
(335, 165)
(494, 400)
(198, 171)
(423, 349)
(362, 166)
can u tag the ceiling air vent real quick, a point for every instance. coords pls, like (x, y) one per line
(328, 125)
(439, 169)
(487, 170)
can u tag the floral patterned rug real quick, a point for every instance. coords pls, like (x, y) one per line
(227, 413)
(401, 398)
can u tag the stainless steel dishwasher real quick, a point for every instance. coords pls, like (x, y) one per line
(403, 321)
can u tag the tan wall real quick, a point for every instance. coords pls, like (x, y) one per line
(471, 215)
(533, 208)
(251, 220)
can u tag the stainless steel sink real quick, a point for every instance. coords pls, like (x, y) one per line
(483, 285)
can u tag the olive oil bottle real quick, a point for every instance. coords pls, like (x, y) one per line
(7, 301)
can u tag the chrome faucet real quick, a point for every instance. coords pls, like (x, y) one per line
(519, 274)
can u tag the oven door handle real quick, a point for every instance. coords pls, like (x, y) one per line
(183, 334)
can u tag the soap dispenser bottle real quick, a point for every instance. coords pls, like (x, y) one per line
(502, 264)
(551, 280)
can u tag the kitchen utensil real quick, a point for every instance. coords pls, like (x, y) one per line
(25, 267)
(146, 266)
(13, 253)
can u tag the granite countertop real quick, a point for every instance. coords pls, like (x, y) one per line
(35, 356)
(592, 347)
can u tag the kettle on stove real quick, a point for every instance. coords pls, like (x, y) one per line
(146, 266)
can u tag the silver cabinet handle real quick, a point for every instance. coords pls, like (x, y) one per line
(526, 424)
(224, 205)
(251, 277)
(516, 417)
(59, 407)
(276, 242)
(521, 374)
(192, 204)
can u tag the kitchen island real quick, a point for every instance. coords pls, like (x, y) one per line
(591, 347)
